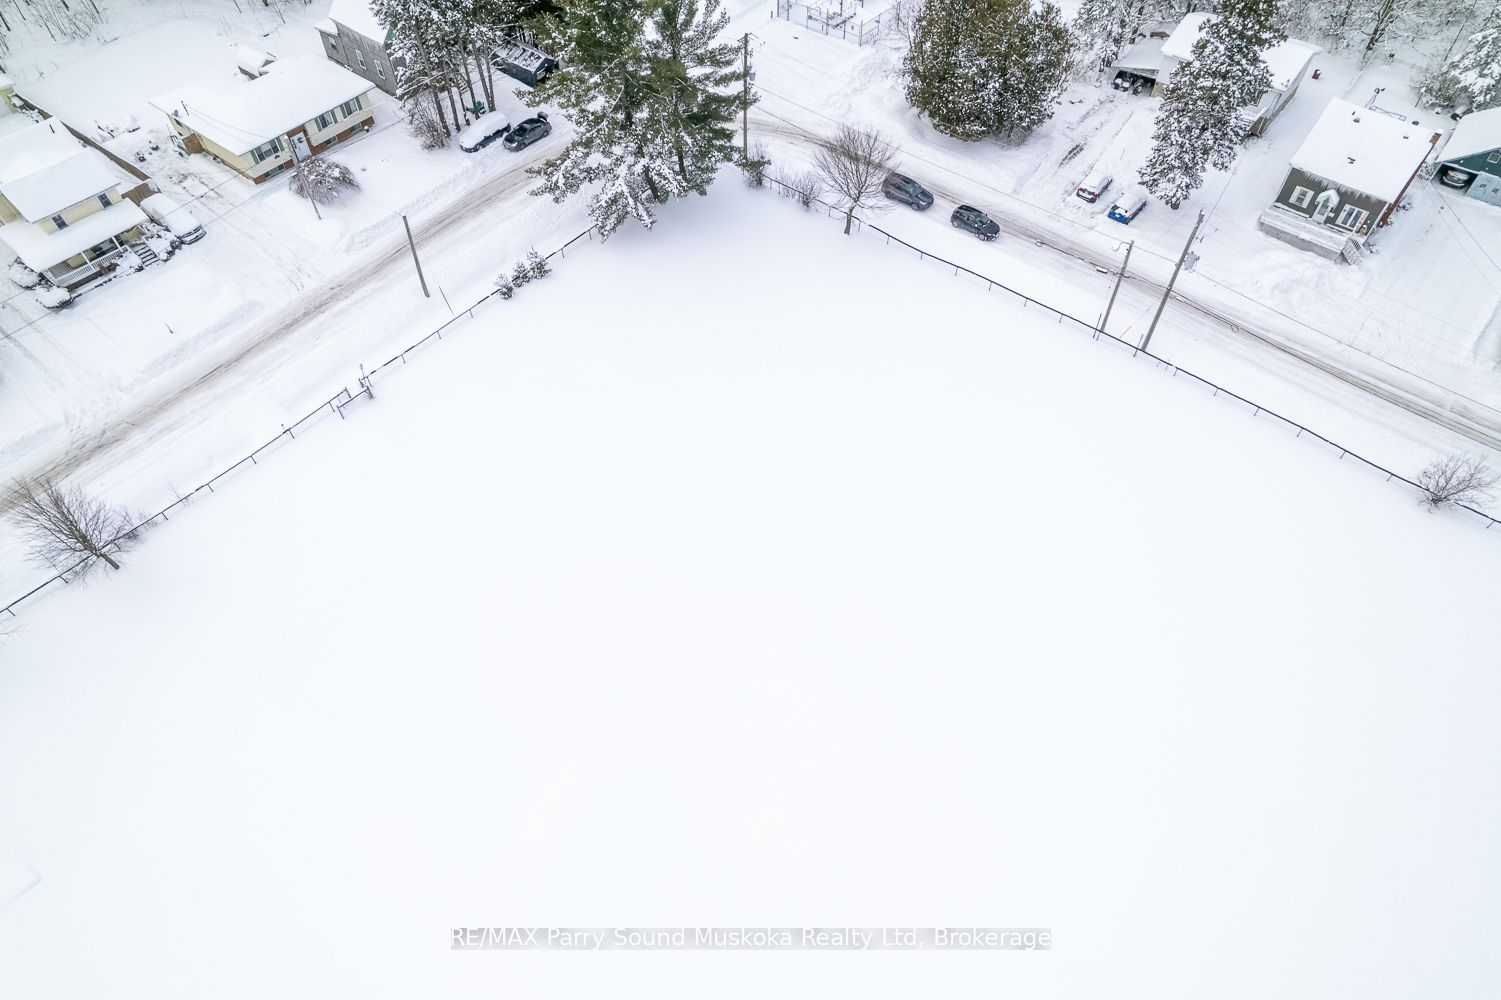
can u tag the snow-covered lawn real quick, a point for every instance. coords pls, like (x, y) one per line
(677, 591)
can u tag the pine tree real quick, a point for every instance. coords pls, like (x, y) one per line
(1470, 80)
(695, 80)
(1202, 120)
(425, 34)
(979, 68)
(1102, 30)
(651, 121)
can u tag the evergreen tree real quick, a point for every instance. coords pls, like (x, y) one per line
(1102, 31)
(644, 92)
(979, 68)
(1202, 120)
(1470, 80)
(425, 35)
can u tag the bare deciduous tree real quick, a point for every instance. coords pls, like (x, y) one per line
(1457, 478)
(66, 527)
(854, 162)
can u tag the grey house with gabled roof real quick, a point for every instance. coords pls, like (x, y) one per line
(354, 38)
(1471, 160)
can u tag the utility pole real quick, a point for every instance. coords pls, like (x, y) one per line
(1171, 281)
(745, 98)
(1104, 323)
(297, 165)
(413, 244)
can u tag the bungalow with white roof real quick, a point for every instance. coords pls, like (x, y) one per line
(1471, 159)
(61, 211)
(355, 38)
(1288, 62)
(297, 106)
(1346, 180)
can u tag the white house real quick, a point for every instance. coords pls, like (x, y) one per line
(254, 124)
(1288, 62)
(61, 210)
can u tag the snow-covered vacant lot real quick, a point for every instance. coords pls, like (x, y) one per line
(681, 591)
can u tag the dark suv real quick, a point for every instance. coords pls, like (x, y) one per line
(900, 187)
(971, 218)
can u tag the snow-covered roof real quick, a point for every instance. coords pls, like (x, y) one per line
(519, 54)
(1144, 56)
(49, 191)
(1286, 60)
(1477, 132)
(241, 114)
(356, 15)
(327, 26)
(39, 250)
(44, 169)
(1363, 150)
(6, 81)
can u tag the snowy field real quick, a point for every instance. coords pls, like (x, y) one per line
(649, 601)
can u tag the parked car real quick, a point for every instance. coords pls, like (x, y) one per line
(900, 187)
(1128, 207)
(1454, 177)
(1132, 82)
(483, 131)
(523, 134)
(167, 212)
(1094, 185)
(971, 218)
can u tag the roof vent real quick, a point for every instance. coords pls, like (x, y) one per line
(1350, 158)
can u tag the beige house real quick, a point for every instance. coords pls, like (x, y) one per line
(61, 210)
(257, 123)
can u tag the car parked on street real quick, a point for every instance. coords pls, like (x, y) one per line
(1128, 207)
(523, 134)
(900, 187)
(483, 131)
(1093, 186)
(973, 220)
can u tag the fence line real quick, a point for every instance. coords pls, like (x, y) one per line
(840, 23)
(1257, 409)
(333, 405)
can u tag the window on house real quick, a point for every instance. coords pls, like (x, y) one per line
(1351, 217)
(351, 107)
(380, 71)
(1301, 197)
(104, 200)
(324, 120)
(360, 58)
(1494, 157)
(266, 152)
(59, 222)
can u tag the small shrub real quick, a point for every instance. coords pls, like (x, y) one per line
(23, 275)
(537, 265)
(423, 123)
(53, 296)
(321, 180)
(505, 287)
(756, 166)
(1455, 479)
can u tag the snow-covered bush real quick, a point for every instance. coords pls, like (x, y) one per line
(322, 180)
(128, 262)
(505, 287)
(1457, 478)
(23, 275)
(53, 296)
(806, 186)
(423, 123)
(536, 265)
(162, 246)
(756, 166)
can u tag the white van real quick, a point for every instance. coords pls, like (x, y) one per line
(165, 211)
(1094, 185)
(486, 130)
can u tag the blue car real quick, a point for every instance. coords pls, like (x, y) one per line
(1128, 208)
